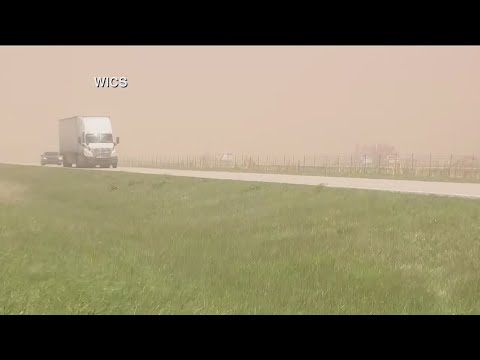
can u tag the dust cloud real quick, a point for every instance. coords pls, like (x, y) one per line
(252, 100)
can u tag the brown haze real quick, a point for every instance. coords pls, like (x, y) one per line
(258, 100)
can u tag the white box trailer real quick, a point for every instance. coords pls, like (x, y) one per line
(87, 141)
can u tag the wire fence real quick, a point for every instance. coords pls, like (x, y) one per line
(411, 166)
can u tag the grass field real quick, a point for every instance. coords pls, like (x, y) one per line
(94, 242)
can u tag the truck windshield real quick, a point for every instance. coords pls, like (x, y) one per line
(99, 138)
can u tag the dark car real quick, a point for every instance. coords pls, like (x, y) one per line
(51, 157)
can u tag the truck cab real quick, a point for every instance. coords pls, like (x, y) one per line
(98, 149)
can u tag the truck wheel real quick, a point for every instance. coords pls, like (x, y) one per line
(79, 163)
(114, 166)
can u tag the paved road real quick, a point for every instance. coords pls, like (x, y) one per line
(403, 186)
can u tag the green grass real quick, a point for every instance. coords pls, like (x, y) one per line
(94, 242)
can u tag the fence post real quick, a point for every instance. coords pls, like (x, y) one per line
(304, 163)
(471, 170)
(413, 170)
(430, 166)
(476, 170)
(365, 164)
(351, 163)
(379, 161)
(450, 166)
(396, 164)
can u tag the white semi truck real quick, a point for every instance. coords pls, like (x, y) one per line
(87, 141)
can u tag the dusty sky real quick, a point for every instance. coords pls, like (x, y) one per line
(258, 100)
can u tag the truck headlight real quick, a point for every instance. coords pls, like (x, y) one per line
(114, 153)
(87, 153)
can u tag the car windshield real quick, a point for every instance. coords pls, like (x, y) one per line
(99, 138)
(51, 153)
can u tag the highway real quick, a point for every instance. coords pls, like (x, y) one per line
(465, 190)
